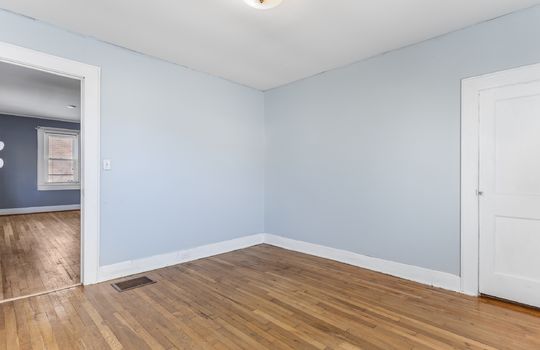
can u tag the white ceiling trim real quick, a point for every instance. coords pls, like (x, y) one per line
(40, 117)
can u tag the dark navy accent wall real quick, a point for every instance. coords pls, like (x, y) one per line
(18, 177)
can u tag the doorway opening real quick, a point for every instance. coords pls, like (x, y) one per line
(39, 181)
(49, 179)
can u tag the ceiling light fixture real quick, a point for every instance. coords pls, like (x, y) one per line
(263, 4)
(71, 106)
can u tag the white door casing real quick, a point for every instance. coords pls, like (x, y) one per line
(90, 146)
(500, 233)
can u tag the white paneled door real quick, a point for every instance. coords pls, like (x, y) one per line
(509, 195)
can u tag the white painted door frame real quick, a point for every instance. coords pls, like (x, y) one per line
(90, 131)
(470, 128)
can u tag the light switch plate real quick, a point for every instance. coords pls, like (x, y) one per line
(107, 164)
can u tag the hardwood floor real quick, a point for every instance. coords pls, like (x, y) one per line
(266, 298)
(38, 252)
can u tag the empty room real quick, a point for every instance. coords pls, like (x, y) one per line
(270, 174)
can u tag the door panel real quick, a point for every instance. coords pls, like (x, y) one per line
(510, 182)
(517, 145)
(516, 242)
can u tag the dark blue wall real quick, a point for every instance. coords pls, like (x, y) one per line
(18, 177)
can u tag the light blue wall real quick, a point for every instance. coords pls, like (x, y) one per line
(367, 158)
(363, 158)
(187, 148)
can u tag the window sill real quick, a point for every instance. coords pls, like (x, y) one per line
(59, 187)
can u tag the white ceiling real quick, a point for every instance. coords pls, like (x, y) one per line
(264, 49)
(32, 93)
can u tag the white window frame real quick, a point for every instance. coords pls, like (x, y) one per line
(42, 157)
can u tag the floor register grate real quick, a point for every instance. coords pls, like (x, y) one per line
(132, 283)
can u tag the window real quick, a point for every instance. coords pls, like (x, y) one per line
(58, 159)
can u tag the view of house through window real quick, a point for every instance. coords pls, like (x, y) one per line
(58, 159)
(62, 162)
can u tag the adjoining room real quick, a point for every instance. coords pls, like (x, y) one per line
(270, 174)
(39, 181)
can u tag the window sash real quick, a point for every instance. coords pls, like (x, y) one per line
(62, 168)
(46, 174)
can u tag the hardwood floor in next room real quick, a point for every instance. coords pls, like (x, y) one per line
(39, 252)
(265, 297)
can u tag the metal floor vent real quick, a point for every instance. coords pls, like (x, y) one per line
(132, 283)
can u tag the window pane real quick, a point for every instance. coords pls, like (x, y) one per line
(61, 178)
(61, 147)
(61, 167)
(61, 170)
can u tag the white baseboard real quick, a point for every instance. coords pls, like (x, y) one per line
(131, 267)
(46, 209)
(409, 272)
(414, 273)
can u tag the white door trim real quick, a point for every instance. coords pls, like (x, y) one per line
(470, 104)
(90, 131)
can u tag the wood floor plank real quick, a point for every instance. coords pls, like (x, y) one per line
(264, 297)
(39, 252)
